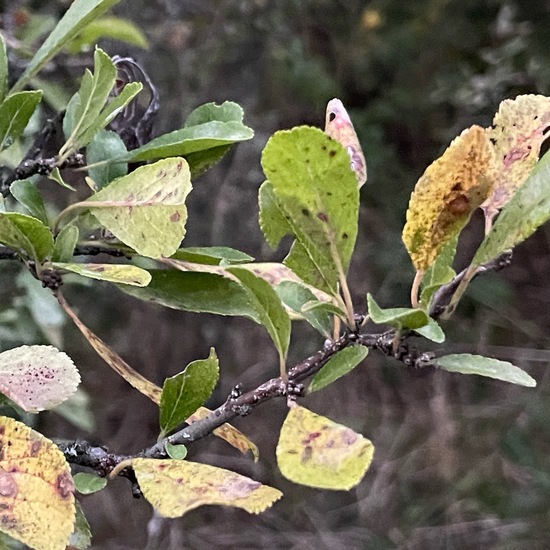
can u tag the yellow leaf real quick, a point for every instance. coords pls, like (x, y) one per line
(228, 433)
(174, 487)
(445, 196)
(338, 126)
(519, 128)
(37, 505)
(318, 452)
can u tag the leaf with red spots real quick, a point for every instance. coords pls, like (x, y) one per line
(37, 505)
(174, 487)
(37, 378)
(146, 209)
(318, 452)
(520, 127)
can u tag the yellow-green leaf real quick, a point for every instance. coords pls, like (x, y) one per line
(445, 196)
(113, 273)
(146, 209)
(318, 452)
(174, 487)
(37, 505)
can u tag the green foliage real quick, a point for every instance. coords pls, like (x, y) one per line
(485, 366)
(185, 392)
(337, 366)
(26, 193)
(15, 112)
(196, 291)
(312, 194)
(138, 211)
(77, 17)
(87, 484)
(528, 209)
(210, 128)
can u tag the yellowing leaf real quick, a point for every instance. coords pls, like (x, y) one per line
(174, 487)
(113, 273)
(228, 433)
(146, 209)
(139, 382)
(37, 505)
(520, 127)
(338, 126)
(37, 377)
(318, 452)
(448, 192)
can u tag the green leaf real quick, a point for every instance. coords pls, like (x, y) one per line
(271, 312)
(108, 27)
(113, 273)
(65, 243)
(201, 132)
(88, 484)
(81, 538)
(337, 366)
(177, 452)
(111, 110)
(439, 273)
(200, 161)
(55, 175)
(527, 210)
(106, 145)
(228, 111)
(3, 69)
(212, 255)
(312, 194)
(432, 331)
(76, 18)
(26, 193)
(302, 301)
(197, 292)
(485, 366)
(26, 234)
(146, 209)
(15, 113)
(185, 392)
(397, 317)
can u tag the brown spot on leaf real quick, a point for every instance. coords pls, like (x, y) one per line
(175, 217)
(64, 485)
(323, 217)
(8, 485)
(331, 153)
(305, 212)
(459, 206)
(307, 453)
(36, 445)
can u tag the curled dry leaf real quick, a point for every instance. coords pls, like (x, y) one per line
(37, 505)
(338, 126)
(519, 128)
(228, 433)
(37, 377)
(447, 193)
(174, 487)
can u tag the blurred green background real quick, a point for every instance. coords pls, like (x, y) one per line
(461, 462)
